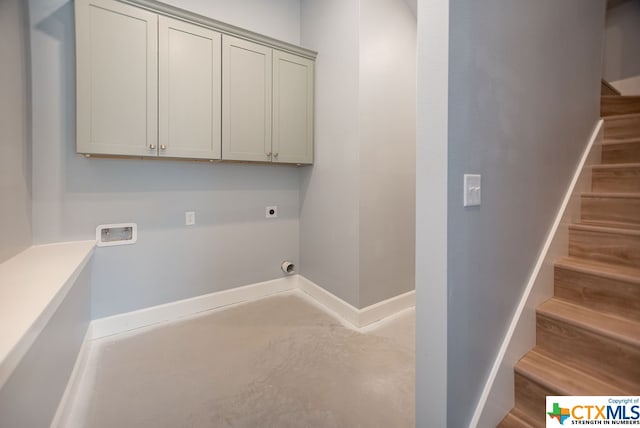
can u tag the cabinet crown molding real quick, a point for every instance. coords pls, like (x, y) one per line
(185, 15)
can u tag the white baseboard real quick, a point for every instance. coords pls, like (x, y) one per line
(354, 317)
(340, 308)
(120, 323)
(497, 397)
(387, 308)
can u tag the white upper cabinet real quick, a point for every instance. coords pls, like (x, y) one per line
(189, 89)
(157, 81)
(292, 108)
(267, 104)
(117, 78)
(246, 100)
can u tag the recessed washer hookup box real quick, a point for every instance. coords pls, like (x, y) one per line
(108, 235)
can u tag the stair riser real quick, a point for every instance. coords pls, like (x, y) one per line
(621, 128)
(621, 153)
(596, 353)
(614, 105)
(608, 247)
(606, 209)
(598, 293)
(531, 398)
(616, 179)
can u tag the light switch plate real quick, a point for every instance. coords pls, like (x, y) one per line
(472, 190)
(189, 218)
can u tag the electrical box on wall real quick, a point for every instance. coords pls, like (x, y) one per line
(109, 235)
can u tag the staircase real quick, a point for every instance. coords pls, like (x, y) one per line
(588, 334)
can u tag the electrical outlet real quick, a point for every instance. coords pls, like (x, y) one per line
(189, 218)
(271, 212)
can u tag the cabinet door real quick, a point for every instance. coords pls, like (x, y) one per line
(292, 108)
(246, 100)
(189, 90)
(117, 78)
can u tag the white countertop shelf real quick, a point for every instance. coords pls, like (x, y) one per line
(32, 286)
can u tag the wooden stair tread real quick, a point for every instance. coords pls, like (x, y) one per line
(611, 224)
(608, 166)
(630, 195)
(621, 329)
(563, 378)
(621, 116)
(516, 418)
(604, 229)
(630, 140)
(592, 267)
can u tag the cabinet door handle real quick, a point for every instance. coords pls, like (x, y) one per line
(152, 146)
(163, 147)
(269, 154)
(275, 155)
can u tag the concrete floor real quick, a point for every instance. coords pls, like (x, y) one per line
(277, 362)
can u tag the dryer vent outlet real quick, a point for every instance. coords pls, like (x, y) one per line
(288, 268)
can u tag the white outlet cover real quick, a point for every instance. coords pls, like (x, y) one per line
(271, 212)
(189, 218)
(472, 190)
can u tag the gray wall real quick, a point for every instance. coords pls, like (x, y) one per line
(357, 202)
(523, 100)
(15, 146)
(387, 149)
(622, 47)
(30, 397)
(231, 244)
(329, 218)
